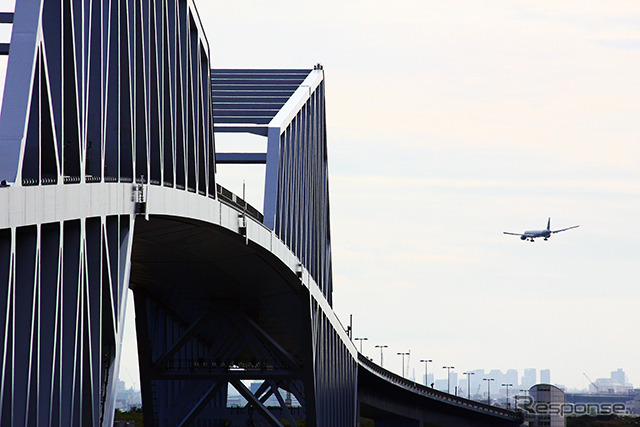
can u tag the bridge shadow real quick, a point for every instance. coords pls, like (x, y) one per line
(213, 310)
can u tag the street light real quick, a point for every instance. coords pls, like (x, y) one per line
(468, 383)
(524, 392)
(448, 368)
(488, 380)
(361, 339)
(426, 363)
(381, 347)
(403, 355)
(507, 386)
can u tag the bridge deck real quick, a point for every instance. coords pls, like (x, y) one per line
(383, 394)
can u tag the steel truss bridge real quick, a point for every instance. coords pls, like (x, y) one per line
(107, 182)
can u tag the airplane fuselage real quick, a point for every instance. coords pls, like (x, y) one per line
(537, 233)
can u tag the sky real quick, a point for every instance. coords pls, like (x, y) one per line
(449, 123)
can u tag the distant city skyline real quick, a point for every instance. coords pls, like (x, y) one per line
(529, 378)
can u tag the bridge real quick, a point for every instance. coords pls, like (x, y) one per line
(108, 182)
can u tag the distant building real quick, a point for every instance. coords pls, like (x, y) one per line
(441, 385)
(545, 376)
(454, 382)
(127, 398)
(511, 377)
(498, 378)
(529, 378)
(546, 395)
(609, 386)
(620, 377)
(476, 382)
(465, 389)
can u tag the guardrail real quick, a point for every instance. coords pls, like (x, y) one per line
(436, 394)
(238, 203)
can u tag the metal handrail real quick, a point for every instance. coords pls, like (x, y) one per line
(238, 203)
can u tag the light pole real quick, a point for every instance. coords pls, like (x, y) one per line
(448, 368)
(426, 371)
(361, 339)
(488, 380)
(468, 374)
(507, 386)
(403, 355)
(381, 347)
(524, 392)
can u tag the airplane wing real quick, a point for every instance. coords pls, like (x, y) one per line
(565, 229)
(513, 234)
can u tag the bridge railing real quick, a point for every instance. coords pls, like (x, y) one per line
(238, 203)
(433, 393)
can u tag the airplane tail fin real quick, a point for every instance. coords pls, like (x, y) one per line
(549, 224)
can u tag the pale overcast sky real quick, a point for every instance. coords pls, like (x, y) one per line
(449, 123)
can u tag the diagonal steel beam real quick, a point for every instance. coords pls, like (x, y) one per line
(189, 334)
(200, 405)
(258, 348)
(291, 361)
(295, 387)
(246, 393)
(262, 392)
(283, 405)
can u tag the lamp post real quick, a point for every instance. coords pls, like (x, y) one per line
(524, 392)
(403, 355)
(448, 368)
(507, 386)
(488, 380)
(381, 347)
(361, 339)
(468, 374)
(426, 371)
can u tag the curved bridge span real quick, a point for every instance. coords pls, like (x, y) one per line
(107, 182)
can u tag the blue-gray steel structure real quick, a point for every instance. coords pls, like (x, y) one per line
(107, 182)
(288, 107)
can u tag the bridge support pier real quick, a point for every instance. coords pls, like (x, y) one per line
(187, 377)
(62, 293)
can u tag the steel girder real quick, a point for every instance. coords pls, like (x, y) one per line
(108, 91)
(62, 302)
(97, 93)
(288, 107)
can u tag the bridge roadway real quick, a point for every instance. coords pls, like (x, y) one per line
(392, 400)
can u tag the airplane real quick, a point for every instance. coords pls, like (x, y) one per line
(532, 234)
